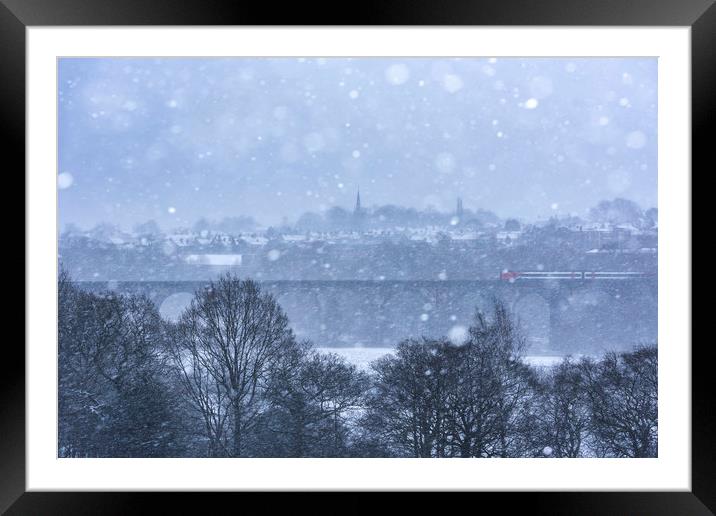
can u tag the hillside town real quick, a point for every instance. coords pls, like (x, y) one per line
(337, 245)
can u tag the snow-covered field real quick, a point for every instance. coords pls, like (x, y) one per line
(362, 357)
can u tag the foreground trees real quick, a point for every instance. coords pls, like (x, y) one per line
(313, 399)
(255, 389)
(223, 347)
(621, 392)
(113, 399)
(437, 399)
(563, 413)
(229, 379)
(405, 407)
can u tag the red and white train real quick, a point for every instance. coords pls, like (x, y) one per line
(571, 275)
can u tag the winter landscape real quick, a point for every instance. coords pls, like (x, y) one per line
(368, 257)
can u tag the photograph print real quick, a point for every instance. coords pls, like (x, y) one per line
(357, 257)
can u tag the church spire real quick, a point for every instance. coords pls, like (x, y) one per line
(357, 208)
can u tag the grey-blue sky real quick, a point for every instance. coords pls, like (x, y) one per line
(178, 139)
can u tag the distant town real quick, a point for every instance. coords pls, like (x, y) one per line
(387, 242)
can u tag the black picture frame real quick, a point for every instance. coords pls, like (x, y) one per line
(16, 15)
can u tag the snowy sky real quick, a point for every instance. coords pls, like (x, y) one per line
(178, 139)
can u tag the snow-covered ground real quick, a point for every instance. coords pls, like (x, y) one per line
(362, 357)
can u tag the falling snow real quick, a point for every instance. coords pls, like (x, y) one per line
(397, 74)
(64, 180)
(635, 140)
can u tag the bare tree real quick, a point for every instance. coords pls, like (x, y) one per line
(314, 398)
(223, 346)
(205, 394)
(564, 411)
(405, 405)
(622, 394)
(113, 400)
(492, 409)
(436, 399)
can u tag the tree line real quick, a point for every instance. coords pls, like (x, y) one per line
(230, 379)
